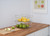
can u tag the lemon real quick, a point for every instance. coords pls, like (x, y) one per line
(22, 17)
(28, 19)
(19, 20)
(24, 20)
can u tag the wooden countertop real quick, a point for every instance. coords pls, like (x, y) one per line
(34, 27)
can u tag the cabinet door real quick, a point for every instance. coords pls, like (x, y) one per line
(42, 32)
(49, 30)
(32, 34)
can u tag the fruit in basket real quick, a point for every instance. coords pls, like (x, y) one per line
(24, 20)
(28, 19)
(21, 23)
(24, 26)
(20, 26)
(19, 20)
(13, 27)
(27, 25)
(22, 17)
(17, 25)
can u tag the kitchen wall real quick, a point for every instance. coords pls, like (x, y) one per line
(9, 9)
(41, 17)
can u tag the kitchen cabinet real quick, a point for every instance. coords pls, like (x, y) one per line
(32, 34)
(49, 30)
(42, 32)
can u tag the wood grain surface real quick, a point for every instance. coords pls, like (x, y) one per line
(33, 28)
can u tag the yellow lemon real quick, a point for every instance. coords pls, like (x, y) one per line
(21, 17)
(24, 20)
(19, 20)
(28, 19)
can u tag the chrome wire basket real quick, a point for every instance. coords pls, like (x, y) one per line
(19, 16)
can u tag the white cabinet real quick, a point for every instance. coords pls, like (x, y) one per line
(49, 30)
(32, 34)
(42, 32)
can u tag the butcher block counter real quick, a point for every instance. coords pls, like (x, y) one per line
(34, 27)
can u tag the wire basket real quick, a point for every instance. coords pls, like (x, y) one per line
(19, 16)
